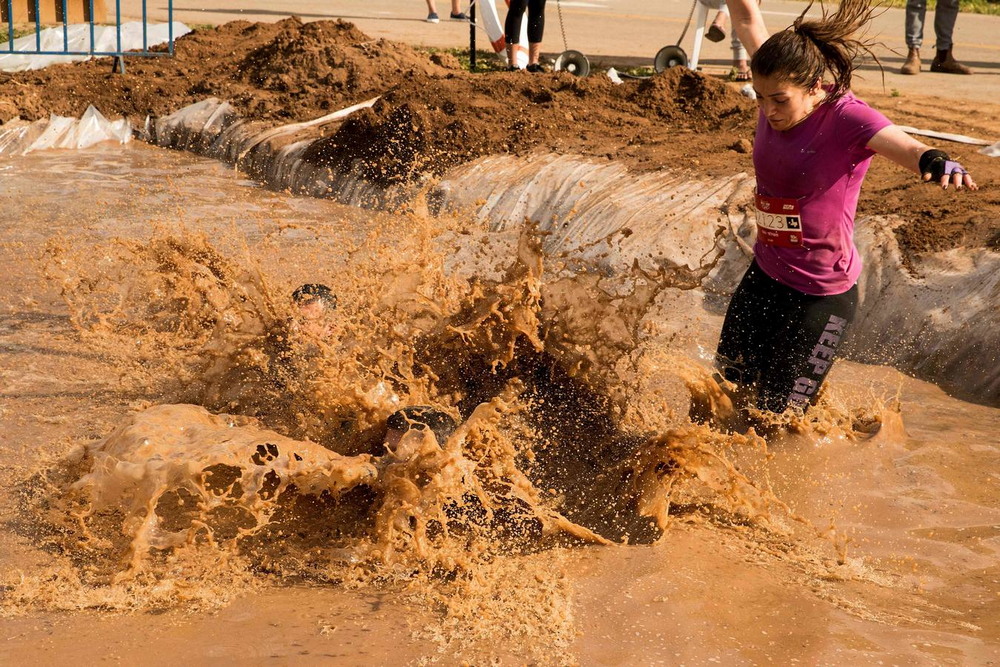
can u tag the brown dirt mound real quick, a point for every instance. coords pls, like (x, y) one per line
(433, 116)
(329, 60)
(685, 96)
(422, 126)
(300, 54)
(273, 71)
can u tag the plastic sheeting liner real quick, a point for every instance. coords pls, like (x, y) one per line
(105, 39)
(947, 136)
(20, 137)
(991, 151)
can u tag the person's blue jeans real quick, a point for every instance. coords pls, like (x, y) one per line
(944, 23)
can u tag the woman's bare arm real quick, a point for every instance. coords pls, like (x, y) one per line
(905, 151)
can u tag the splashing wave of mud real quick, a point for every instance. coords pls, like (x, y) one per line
(541, 370)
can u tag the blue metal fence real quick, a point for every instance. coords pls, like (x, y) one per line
(118, 53)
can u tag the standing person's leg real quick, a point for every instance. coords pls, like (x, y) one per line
(945, 16)
(456, 11)
(741, 68)
(753, 318)
(717, 30)
(536, 28)
(916, 10)
(944, 26)
(512, 28)
(534, 53)
(754, 313)
(432, 12)
(813, 330)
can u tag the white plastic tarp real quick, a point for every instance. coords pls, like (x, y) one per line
(19, 138)
(991, 151)
(105, 39)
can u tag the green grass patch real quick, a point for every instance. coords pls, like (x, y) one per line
(19, 31)
(486, 61)
(638, 70)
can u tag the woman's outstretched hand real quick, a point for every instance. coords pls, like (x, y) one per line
(947, 172)
(932, 164)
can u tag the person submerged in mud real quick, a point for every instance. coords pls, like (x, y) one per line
(266, 369)
(814, 143)
(415, 418)
(465, 507)
(310, 323)
(315, 304)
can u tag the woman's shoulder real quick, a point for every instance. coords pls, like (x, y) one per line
(855, 120)
(846, 98)
(850, 106)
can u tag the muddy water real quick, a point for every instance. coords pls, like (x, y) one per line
(822, 546)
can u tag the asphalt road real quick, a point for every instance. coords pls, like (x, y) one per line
(631, 32)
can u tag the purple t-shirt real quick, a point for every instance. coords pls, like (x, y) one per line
(820, 163)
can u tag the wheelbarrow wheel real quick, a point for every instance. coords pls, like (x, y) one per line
(669, 56)
(573, 62)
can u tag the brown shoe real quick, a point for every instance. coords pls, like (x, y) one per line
(912, 64)
(715, 33)
(945, 63)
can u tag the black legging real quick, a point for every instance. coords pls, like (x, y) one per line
(780, 341)
(536, 20)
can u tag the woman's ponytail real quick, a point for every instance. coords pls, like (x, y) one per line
(803, 53)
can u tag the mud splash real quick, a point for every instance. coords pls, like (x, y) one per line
(613, 219)
(294, 482)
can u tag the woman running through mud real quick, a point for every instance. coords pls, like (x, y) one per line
(814, 144)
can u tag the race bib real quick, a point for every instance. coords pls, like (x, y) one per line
(778, 221)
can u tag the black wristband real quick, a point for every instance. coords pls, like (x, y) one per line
(929, 158)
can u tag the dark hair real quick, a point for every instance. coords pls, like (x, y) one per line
(423, 417)
(803, 53)
(305, 294)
